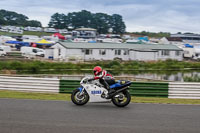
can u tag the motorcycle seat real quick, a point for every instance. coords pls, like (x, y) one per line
(110, 81)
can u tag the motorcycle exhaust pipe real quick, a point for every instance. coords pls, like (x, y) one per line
(119, 91)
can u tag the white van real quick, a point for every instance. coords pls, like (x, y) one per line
(197, 53)
(26, 51)
(4, 50)
(188, 52)
(192, 53)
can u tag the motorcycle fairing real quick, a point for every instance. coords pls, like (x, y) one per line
(95, 93)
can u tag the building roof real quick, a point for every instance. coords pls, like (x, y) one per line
(85, 29)
(186, 35)
(138, 47)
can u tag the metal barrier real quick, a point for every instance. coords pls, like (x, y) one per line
(145, 89)
(29, 84)
(186, 90)
(67, 86)
(149, 89)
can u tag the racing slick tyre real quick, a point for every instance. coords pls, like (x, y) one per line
(79, 99)
(122, 99)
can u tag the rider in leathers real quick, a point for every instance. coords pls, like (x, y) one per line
(101, 74)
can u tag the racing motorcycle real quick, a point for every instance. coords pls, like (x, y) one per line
(93, 91)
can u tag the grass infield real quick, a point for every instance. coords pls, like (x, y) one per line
(66, 97)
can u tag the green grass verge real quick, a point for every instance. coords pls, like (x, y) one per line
(32, 95)
(66, 97)
(164, 100)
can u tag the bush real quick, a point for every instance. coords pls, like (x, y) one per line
(62, 67)
(192, 79)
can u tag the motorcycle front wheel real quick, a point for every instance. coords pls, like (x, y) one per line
(122, 99)
(79, 99)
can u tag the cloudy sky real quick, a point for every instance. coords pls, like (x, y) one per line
(139, 15)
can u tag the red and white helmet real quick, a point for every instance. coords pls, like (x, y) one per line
(97, 70)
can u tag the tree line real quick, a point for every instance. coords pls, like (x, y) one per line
(104, 23)
(15, 19)
(152, 34)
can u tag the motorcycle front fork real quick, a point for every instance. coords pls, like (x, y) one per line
(82, 92)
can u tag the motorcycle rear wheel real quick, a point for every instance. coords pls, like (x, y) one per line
(79, 100)
(122, 100)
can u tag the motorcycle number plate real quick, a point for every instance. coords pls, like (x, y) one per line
(96, 92)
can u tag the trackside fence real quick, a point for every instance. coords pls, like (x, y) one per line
(143, 89)
(67, 86)
(185, 90)
(29, 84)
(149, 89)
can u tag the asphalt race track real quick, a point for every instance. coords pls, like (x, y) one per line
(36, 116)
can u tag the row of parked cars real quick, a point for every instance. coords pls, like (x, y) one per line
(19, 30)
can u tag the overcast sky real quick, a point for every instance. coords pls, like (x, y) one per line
(139, 15)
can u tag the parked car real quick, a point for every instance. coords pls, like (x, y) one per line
(16, 31)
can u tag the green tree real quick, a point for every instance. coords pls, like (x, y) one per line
(33, 23)
(117, 24)
(81, 19)
(58, 21)
(15, 19)
(12, 18)
(100, 21)
(152, 34)
(2, 21)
